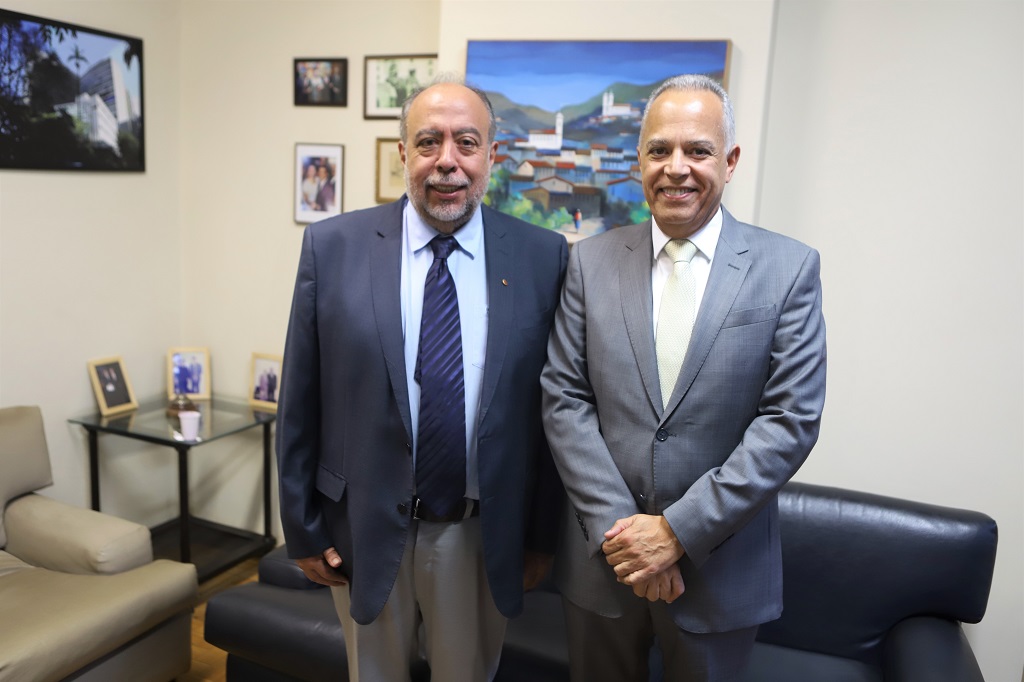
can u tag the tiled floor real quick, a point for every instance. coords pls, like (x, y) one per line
(207, 660)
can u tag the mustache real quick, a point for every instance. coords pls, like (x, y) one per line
(446, 180)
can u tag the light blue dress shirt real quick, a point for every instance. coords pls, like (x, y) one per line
(469, 269)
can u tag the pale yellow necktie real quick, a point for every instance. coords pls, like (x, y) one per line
(675, 316)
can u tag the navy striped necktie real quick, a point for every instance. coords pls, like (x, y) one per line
(441, 446)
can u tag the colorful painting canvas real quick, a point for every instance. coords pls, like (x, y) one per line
(569, 121)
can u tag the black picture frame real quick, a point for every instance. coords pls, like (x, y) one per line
(320, 81)
(71, 97)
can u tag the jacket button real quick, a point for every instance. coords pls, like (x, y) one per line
(403, 509)
(661, 435)
(408, 448)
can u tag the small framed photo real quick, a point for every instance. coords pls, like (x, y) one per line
(188, 373)
(264, 379)
(319, 175)
(110, 384)
(389, 80)
(321, 82)
(390, 172)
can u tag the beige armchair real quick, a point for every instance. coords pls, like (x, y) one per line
(80, 595)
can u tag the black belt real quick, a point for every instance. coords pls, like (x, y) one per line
(464, 509)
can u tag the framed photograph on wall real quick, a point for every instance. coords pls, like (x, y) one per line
(71, 97)
(388, 80)
(587, 96)
(321, 82)
(319, 175)
(110, 384)
(188, 372)
(264, 379)
(390, 171)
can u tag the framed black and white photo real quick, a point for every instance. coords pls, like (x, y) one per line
(319, 172)
(264, 379)
(321, 82)
(110, 384)
(390, 184)
(389, 80)
(70, 97)
(188, 372)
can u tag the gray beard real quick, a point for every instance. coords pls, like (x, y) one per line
(446, 218)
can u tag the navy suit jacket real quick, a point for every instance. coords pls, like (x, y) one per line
(343, 430)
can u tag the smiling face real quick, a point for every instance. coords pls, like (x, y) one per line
(447, 155)
(684, 163)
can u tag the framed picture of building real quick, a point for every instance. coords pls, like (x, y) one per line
(321, 82)
(319, 175)
(390, 171)
(110, 383)
(389, 80)
(188, 372)
(569, 116)
(70, 97)
(264, 379)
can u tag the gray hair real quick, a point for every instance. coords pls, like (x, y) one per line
(492, 124)
(695, 81)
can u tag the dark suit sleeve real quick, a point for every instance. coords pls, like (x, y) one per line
(778, 440)
(298, 417)
(549, 494)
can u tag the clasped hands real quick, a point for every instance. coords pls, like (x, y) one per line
(644, 551)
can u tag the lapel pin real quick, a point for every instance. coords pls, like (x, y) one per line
(505, 282)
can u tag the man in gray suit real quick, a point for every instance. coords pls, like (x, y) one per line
(432, 305)
(681, 392)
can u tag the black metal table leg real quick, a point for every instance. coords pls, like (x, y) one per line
(94, 469)
(183, 514)
(266, 479)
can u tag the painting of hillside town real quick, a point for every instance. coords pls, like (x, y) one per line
(568, 115)
(70, 97)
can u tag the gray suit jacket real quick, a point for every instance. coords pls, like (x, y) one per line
(743, 417)
(343, 428)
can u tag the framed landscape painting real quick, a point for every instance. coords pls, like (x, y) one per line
(569, 121)
(70, 97)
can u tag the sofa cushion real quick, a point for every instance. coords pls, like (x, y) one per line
(770, 663)
(24, 459)
(52, 624)
(276, 568)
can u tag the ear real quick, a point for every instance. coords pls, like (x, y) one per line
(401, 152)
(493, 153)
(731, 159)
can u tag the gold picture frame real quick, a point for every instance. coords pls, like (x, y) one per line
(110, 383)
(390, 185)
(264, 381)
(188, 372)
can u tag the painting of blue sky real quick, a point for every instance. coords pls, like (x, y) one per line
(569, 120)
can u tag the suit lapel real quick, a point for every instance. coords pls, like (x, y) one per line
(385, 284)
(636, 297)
(728, 271)
(501, 285)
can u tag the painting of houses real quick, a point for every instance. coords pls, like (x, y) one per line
(568, 115)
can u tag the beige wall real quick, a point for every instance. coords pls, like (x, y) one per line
(851, 142)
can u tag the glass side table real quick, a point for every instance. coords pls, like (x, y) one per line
(212, 547)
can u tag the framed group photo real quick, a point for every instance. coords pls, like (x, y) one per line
(319, 175)
(321, 82)
(71, 97)
(390, 185)
(188, 372)
(389, 80)
(110, 383)
(264, 379)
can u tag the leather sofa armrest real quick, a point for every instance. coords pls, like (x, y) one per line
(50, 534)
(927, 649)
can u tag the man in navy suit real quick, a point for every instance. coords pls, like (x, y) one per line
(349, 431)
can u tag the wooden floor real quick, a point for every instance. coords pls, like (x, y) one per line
(207, 660)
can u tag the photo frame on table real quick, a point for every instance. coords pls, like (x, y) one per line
(390, 184)
(585, 95)
(188, 372)
(319, 180)
(110, 383)
(321, 82)
(264, 380)
(71, 97)
(389, 79)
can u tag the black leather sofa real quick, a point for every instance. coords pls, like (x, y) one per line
(875, 589)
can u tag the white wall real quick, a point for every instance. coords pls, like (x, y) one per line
(894, 145)
(90, 266)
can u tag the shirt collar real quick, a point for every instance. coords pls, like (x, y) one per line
(469, 237)
(705, 239)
